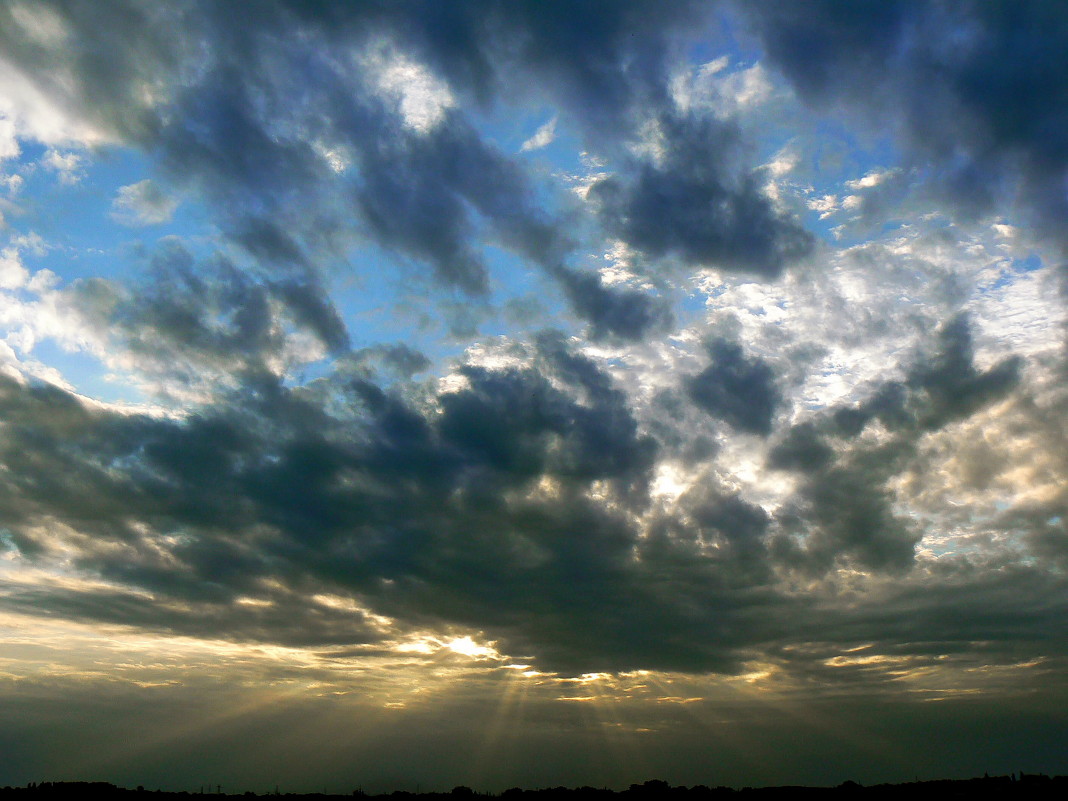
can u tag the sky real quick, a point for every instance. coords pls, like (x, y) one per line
(401, 395)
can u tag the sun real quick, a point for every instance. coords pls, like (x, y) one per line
(468, 647)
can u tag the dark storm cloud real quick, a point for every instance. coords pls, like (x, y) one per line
(846, 513)
(478, 515)
(397, 359)
(735, 388)
(940, 387)
(312, 309)
(949, 386)
(428, 193)
(953, 611)
(718, 537)
(507, 506)
(200, 614)
(801, 449)
(628, 314)
(977, 89)
(692, 203)
(1044, 526)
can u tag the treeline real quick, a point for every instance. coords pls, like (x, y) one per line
(1022, 786)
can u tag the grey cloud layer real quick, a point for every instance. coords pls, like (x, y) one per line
(430, 518)
(517, 505)
(520, 503)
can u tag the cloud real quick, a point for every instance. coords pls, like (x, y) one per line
(512, 500)
(422, 99)
(845, 508)
(980, 119)
(198, 325)
(772, 503)
(214, 505)
(625, 313)
(141, 204)
(950, 384)
(803, 449)
(542, 137)
(690, 201)
(726, 94)
(9, 146)
(13, 273)
(70, 167)
(260, 131)
(736, 389)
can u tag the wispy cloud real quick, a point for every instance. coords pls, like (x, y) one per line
(542, 137)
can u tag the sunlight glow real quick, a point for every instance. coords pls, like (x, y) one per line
(468, 647)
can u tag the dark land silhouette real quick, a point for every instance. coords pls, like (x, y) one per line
(1022, 786)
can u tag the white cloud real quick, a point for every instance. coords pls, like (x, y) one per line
(9, 145)
(337, 156)
(620, 268)
(70, 167)
(872, 178)
(542, 137)
(1005, 231)
(13, 274)
(143, 203)
(725, 94)
(826, 205)
(421, 98)
(34, 114)
(33, 308)
(13, 183)
(580, 183)
(1019, 313)
(31, 242)
(783, 162)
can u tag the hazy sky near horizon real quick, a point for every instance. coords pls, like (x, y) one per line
(411, 394)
